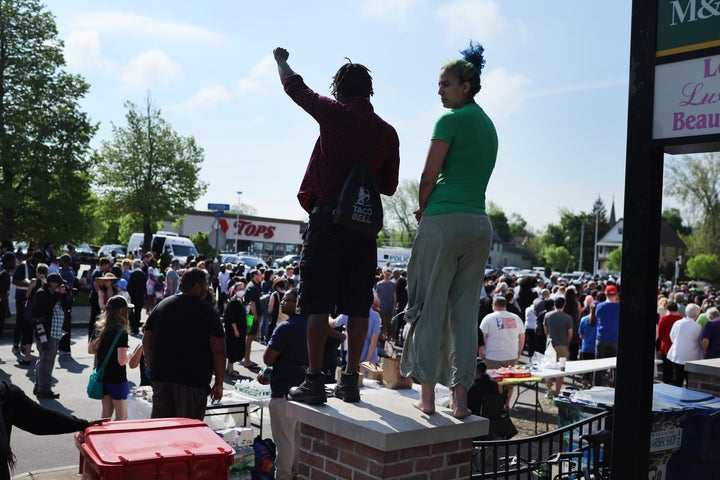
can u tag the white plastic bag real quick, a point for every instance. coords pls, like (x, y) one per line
(550, 357)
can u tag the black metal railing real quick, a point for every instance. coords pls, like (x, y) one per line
(492, 459)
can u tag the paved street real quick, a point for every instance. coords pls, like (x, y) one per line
(71, 373)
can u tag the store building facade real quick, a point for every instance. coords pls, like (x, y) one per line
(261, 236)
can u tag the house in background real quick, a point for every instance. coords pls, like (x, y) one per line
(671, 246)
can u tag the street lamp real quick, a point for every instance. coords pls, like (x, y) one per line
(237, 225)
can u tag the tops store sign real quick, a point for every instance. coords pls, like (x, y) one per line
(246, 228)
(687, 98)
(687, 25)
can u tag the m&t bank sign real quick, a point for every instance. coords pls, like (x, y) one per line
(687, 25)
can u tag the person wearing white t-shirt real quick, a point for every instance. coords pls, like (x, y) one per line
(686, 337)
(504, 336)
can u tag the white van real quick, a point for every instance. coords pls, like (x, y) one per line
(179, 247)
(393, 257)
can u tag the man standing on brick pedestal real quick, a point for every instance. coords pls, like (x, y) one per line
(338, 265)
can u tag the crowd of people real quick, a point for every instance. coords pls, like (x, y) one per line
(580, 320)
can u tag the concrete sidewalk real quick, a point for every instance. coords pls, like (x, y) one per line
(56, 456)
(60, 473)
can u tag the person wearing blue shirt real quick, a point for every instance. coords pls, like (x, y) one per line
(608, 320)
(286, 359)
(587, 331)
(369, 352)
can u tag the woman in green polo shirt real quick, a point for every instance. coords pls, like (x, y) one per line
(453, 239)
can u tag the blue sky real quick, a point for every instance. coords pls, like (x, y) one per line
(555, 83)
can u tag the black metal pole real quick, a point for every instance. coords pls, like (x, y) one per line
(641, 248)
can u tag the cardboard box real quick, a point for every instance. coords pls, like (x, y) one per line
(161, 448)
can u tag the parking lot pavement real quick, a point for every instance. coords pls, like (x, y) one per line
(42, 456)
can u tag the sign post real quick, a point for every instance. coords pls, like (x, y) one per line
(674, 50)
(220, 209)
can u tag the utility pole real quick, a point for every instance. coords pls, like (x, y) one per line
(582, 246)
(595, 252)
(237, 225)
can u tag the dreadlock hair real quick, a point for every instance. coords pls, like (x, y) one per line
(469, 68)
(352, 80)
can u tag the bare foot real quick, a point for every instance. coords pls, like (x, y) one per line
(457, 413)
(459, 407)
(419, 405)
(426, 404)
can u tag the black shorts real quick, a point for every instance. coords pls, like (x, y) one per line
(337, 269)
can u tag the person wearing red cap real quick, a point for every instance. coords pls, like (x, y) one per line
(608, 319)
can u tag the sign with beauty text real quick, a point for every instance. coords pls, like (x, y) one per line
(687, 98)
(687, 25)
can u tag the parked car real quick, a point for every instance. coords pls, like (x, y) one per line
(85, 253)
(248, 261)
(285, 261)
(510, 270)
(177, 246)
(106, 250)
(251, 262)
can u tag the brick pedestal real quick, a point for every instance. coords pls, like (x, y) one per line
(383, 437)
(704, 375)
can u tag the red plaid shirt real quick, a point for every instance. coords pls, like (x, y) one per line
(349, 132)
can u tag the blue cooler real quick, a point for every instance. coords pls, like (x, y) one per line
(699, 455)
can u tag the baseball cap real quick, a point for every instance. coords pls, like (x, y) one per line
(611, 290)
(117, 302)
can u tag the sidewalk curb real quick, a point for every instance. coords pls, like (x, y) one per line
(70, 471)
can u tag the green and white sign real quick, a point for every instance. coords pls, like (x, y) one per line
(687, 25)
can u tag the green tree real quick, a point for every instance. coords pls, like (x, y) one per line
(149, 169)
(44, 135)
(554, 235)
(398, 212)
(201, 240)
(499, 222)
(695, 181)
(704, 267)
(614, 261)
(557, 257)
(519, 227)
(673, 218)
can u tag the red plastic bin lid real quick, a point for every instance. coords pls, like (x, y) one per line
(135, 441)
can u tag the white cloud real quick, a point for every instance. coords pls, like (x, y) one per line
(82, 50)
(261, 74)
(139, 25)
(396, 11)
(581, 87)
(480, 20)
(151, 68)
(503, 93)
(207, 97)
